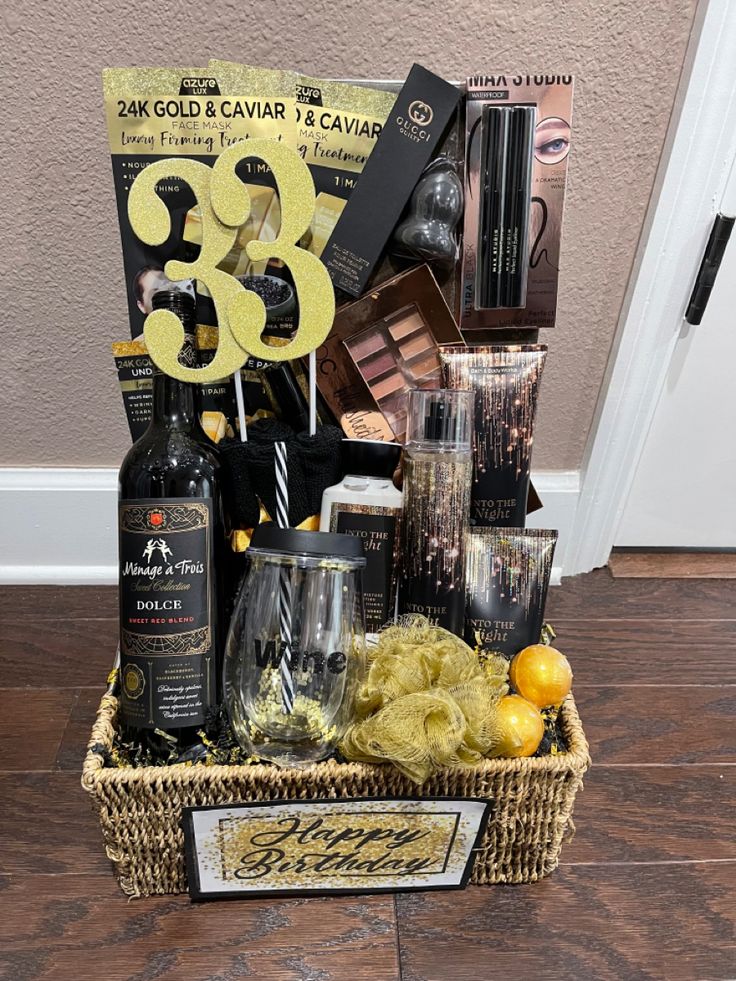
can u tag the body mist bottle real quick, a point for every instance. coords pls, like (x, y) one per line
(437, 479)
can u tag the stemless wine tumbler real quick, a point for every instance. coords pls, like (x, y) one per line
(295, 650)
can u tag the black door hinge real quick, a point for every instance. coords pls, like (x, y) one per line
(717, 241)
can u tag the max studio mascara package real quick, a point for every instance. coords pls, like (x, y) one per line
(517, 140)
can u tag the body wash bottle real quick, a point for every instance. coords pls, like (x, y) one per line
(437, 478)
(366, 504)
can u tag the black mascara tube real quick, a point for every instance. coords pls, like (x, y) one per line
(507, 140)
(484, 221)
(498, 148)
(520, 193)
(511, 229)
(484, 246)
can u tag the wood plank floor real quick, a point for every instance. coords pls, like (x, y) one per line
(673, 565)
(645, 890)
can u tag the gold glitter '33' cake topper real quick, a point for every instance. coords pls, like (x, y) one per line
(225, 205)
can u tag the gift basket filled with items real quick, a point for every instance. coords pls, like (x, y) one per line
(328, 592)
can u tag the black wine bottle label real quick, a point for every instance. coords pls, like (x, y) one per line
(167, 614)
(378, 529)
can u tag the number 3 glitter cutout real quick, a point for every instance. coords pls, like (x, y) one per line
(225, 205)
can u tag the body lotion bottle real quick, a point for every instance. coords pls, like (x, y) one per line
(366, 504)
(437, 478)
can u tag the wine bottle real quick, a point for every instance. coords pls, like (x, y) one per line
(171, 548)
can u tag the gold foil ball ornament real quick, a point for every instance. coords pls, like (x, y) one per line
(522, 726)
(541, 674)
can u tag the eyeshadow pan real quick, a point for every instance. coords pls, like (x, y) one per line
(405, 322)
(395, 410)
(429, 366)
(416, 345)
(365, 343)
(396, 403)
(387, 386)
(371, 368)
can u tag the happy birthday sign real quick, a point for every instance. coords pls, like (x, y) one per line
(225, 205)
(326, 846)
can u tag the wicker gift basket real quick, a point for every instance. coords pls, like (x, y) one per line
(140, 808)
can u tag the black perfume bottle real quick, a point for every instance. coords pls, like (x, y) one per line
(171, 552)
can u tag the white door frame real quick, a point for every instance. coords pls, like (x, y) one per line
(695, 164)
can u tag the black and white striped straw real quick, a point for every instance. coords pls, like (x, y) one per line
(282, 520)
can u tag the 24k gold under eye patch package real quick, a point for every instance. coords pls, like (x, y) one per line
(216, 399)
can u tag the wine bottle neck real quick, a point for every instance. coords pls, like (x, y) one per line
(175, 403)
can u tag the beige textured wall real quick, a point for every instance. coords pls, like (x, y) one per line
(62, 285)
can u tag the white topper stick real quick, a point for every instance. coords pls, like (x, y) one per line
(241, 406)
(312, 393)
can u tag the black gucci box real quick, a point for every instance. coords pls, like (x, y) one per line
(421, 113)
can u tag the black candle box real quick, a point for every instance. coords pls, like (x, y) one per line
(421, 113)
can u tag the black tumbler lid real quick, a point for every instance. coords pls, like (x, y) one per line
(321, 544)
(370, 457)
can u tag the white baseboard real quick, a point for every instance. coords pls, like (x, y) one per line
(559, 491)
(59, 524)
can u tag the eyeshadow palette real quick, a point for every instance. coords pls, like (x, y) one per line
(393, 356)
(380, 347)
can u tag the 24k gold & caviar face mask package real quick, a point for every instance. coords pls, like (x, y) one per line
(338, 126)
(268, 99)
(159, 113)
